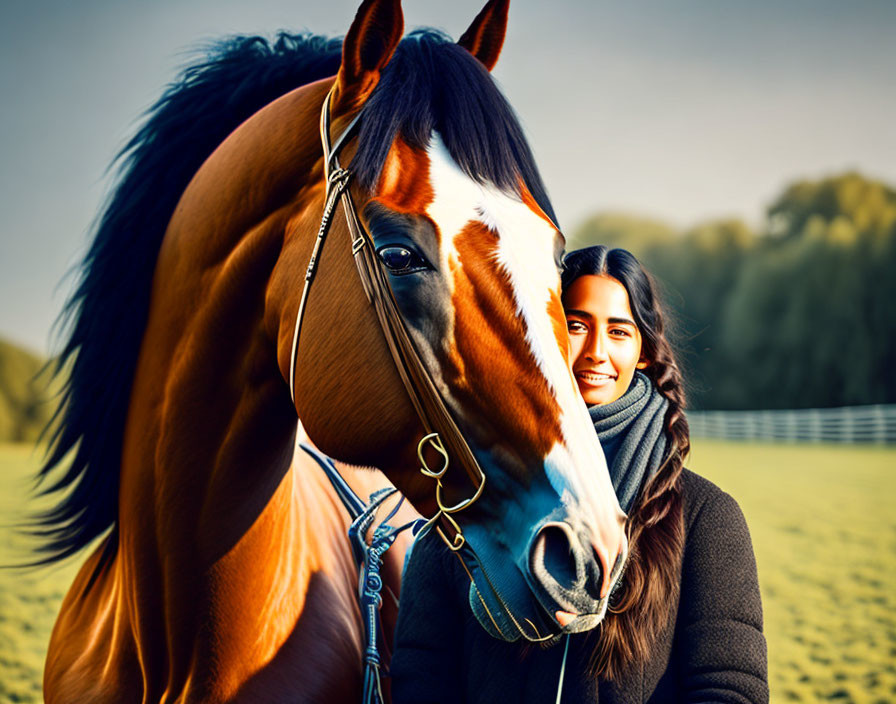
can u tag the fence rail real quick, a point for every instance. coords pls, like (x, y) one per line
(849, 424)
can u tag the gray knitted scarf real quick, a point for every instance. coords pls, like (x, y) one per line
(630, 430)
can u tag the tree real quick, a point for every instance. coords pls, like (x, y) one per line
(636, 234)
(802, 314)
(812, 318)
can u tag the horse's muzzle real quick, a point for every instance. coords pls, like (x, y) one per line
(565, 575)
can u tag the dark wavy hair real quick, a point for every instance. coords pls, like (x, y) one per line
(639, 609)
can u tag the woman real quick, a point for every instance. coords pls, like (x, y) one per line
(686, 622)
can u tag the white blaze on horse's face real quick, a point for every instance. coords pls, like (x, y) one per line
(524, 248)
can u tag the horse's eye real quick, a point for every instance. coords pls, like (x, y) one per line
(401, 260)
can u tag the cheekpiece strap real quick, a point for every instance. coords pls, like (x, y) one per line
(441, 431)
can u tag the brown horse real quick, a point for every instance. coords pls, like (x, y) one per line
(222, 571)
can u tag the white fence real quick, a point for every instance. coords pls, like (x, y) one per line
(850, 424)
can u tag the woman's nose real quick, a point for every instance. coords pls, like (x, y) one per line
(597, 348)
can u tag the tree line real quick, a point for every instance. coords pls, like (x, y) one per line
(799, 314)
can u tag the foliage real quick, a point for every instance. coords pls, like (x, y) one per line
(631, 232)
(799, 315)
(25, 407)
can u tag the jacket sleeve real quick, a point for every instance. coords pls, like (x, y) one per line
(425, 665)
(721, 647)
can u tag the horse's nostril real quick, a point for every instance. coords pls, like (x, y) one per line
(553, 554)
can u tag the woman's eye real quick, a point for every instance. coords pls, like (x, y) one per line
(620, 332)
(401, 260)
(575, 326)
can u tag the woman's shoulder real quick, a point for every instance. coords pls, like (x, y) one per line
(708, 508)
(719, 639)
(699, 487)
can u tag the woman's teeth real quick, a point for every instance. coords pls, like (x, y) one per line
(592, 376)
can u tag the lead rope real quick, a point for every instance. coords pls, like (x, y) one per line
(370, 584)
(562, 670)
(369, 558)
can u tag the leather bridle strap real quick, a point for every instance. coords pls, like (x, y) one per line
(441, 431)
(337, 181)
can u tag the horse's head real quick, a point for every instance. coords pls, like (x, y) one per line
(446, 187)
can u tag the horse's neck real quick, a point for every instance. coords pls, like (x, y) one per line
(274, 614)
(233, 558)
(209, 431)
(216, 534)
(208, 435)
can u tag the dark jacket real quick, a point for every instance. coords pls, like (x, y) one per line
(713, 651)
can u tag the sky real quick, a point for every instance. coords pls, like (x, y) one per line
(682, 111)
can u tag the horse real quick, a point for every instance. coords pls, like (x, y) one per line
(220, 570)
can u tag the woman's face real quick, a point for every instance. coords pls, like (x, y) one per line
(605, 343)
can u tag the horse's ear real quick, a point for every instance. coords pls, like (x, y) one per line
(367, 48)
(485, 36)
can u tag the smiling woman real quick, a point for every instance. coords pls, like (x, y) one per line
(685, 623)
(604, 340)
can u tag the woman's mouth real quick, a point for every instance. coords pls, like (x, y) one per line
(595, 378)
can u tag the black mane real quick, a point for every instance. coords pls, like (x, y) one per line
(430, 84)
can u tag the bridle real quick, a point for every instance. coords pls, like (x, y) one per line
(440, 431)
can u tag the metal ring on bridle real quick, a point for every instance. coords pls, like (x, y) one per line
(444, 512)
(436, 443)
(461, 505)
(458, 541)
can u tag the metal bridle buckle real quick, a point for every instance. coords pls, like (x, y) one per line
(458, 541)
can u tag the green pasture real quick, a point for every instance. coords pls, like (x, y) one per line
(29, 599)
(824, 532)
(822, 523)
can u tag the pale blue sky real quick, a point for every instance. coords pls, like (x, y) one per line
(682, 110)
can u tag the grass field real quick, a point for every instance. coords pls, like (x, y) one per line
(824, 531)
(29, 599)
(823, 527)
